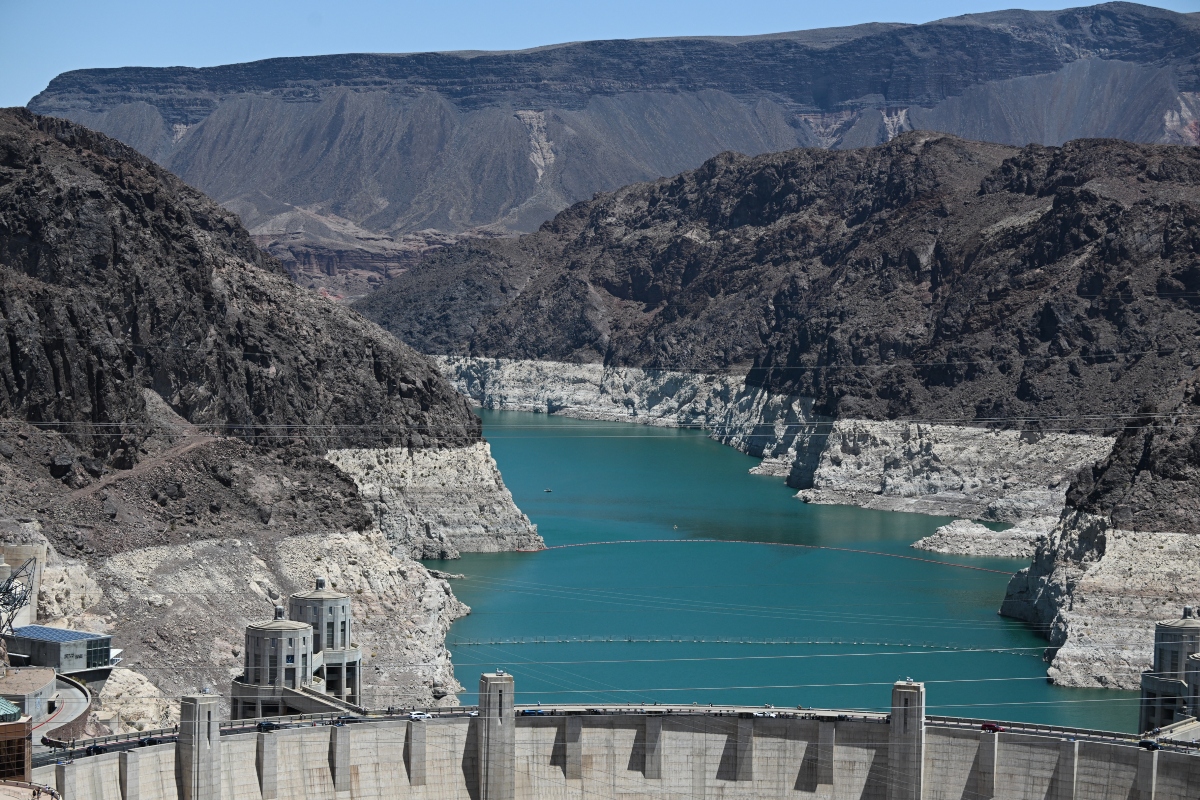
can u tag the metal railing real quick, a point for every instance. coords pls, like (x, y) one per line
(117, 742)
(65, 751)
(1037, 728)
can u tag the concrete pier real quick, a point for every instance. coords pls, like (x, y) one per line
(652, 750)
(906, 742)
(1067, 770)
(339, 758)
(199, 748)
(267, 765)
(745, 748)
(414, 752)
(573, 743)
(985, 787)
(826, 741)
(497, 737)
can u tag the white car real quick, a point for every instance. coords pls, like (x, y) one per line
(420, 715)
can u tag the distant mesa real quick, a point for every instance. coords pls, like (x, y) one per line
(349, 167)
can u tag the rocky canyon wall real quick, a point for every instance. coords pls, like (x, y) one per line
(1096, 592)
(955, 470)
(980, 473)
(167, 401)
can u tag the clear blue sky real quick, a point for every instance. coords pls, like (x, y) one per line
(41, 38)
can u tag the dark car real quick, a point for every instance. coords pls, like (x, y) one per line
(148, 741)
(94, 750)
(267, 727)
(1149, 744)
(532, 712)
(991, 727)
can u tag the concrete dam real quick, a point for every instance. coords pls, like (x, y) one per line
(504, 752)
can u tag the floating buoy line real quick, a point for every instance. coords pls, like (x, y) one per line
(1034, 652)
(774, 544)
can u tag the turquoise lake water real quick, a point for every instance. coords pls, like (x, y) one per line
(680, 621)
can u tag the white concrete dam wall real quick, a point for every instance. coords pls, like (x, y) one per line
(630, 754)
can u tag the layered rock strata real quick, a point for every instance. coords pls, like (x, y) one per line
(967, 538)
(982, 473)
(1126, 554)
(1096, 591)
(438, 503)
(328, 155)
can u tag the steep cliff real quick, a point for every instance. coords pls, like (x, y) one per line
(166, 401)
(1128, 552)
(332, 160)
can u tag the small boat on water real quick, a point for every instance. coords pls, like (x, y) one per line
(547, 490)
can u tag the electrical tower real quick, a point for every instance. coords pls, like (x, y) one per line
(15, 593)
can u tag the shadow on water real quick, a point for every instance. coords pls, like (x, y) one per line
(674, 620)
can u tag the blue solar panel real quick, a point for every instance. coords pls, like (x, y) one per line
(45, 633)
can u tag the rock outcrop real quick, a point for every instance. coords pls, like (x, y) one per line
(129, 701)
(438, 503)
(334, 160)
(1001, 475)
(966, 538)
(1126, 555)
(118, 277)
(1096, 592)
(166, 402)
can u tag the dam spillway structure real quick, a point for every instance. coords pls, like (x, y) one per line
(504, 751)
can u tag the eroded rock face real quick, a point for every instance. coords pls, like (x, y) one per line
(439, 503)
(129, 701)
(1001, 475)
(967, 538)
(1127, 554)
(1096, 592)
(116, 277)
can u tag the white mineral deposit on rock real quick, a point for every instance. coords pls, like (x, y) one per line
(1097, 591)
(1000, 475)
(967, 538)
(437, 503)
(130, 702)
